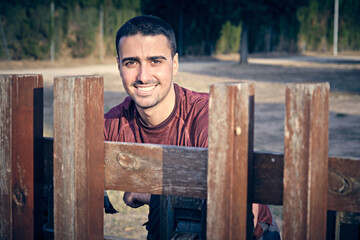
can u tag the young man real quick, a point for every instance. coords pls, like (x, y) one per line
(157, 110)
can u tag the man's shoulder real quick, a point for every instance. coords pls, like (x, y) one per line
(118, 118)
(192, 97)
(123, 109)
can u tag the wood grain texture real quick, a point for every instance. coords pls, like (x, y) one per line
(268, 178)
(344, 184)
(5, 158)
(343, 189)
(20, 133)
(159, 169)
(78, 157)
(228, 157)
(306, 161)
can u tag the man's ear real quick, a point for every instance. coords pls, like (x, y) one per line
(175, 64)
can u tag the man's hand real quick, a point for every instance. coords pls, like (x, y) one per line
(255, 210)
(136, 200)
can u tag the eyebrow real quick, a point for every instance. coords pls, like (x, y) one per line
(138, 60)
(156, 57)
(130, 59)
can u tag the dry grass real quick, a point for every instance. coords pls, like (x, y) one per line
(128, 223)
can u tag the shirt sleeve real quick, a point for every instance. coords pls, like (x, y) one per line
(200, 126)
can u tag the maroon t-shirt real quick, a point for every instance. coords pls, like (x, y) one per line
(187, 125)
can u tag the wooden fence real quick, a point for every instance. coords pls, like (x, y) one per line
(230, 174)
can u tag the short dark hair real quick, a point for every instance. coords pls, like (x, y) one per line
(147, 25)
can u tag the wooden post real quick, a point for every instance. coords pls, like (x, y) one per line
(78, 157)
(230, 154)
(21, 121)
(306, 161)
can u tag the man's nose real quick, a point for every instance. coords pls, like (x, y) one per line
(144, 73)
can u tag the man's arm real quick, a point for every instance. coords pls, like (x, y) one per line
(136, 200)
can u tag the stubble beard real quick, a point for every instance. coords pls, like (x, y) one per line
(152, 101)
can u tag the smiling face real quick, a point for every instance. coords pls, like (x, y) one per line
(147, 69)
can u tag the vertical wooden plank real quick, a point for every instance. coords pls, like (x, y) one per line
(5, 157)
(306, 161)
(78, 157)
(231, 110)
(20, 139)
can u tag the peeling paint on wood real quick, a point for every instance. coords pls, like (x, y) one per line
(306, 161)
(78, 157)
(5, 157)
(230, 156)
(19, 136)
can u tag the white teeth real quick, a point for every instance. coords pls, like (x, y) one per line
(146, 89)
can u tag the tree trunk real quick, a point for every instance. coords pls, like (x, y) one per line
(268, 40)
(244, 44)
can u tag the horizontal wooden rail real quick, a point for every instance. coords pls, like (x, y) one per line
(150, 164)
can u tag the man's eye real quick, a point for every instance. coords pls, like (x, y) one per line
(130, 63)
(155, 61)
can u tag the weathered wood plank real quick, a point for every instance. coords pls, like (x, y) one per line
(343, 189)
(78, 157)
(344, 184)
(5, 158)
(268, 178)
(343, 177)
(306, 161)
(230, 151)
(156, 169)
(20, 133)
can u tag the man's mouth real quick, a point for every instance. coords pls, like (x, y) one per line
(145, 88)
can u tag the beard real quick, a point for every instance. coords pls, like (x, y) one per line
(150, 101)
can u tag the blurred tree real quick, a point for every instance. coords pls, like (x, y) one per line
(349, 25)
(197, 29)
(260, 18)
(316, 24)
(81, 35)
(19, 24)
(198, 23)
(266, 25)
(116, 13)
(229, 40)
(316, 20)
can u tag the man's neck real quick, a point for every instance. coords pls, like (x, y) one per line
(155, 115)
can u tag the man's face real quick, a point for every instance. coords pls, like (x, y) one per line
(147, 69)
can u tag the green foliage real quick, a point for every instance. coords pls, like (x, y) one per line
(349, 25)
(114, 18)
(196, 23)
(19, 25)
(28, 31)
(229, 40)
(201, 27)
(317, 25)
(81, 35)
(313, 28)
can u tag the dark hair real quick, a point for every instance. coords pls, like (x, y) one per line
(148, 26)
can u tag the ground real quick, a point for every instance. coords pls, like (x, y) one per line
(270, 73)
